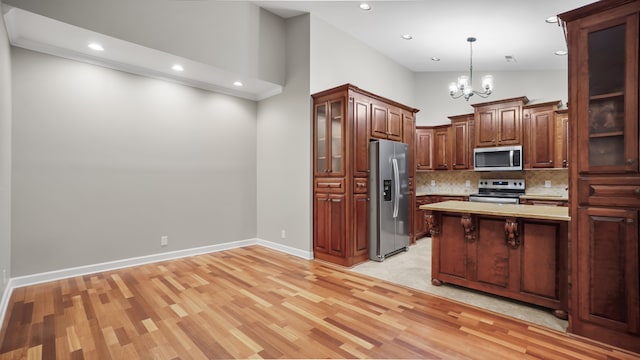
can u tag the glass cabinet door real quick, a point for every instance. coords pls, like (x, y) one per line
(329, 137)
(611, 115)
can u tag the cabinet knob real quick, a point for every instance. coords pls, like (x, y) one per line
(630, 220)
(637, 191)
(550, 161)
(631, 161)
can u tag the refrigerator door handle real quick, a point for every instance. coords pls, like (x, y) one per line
(396, 180)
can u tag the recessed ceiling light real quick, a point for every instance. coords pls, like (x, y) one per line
(510, 58)
(551, 20)
(435, 58)
(238, 83)
(365, 6)
(561, 52)
(177, 67)
(407, 37)
(96, 47)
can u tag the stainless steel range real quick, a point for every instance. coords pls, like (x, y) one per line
(499, 191)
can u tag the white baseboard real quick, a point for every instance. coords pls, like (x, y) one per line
(34, 279)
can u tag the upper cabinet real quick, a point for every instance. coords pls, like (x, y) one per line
(424, 148)
(329, 139)
(562, 138)
(498, 123)
(605, 61)
(386, 121)
(539, 128)
(441, 148)
(462, 138)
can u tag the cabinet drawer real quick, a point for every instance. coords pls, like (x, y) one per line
(360, 185)
(332, 185)
(605, 191)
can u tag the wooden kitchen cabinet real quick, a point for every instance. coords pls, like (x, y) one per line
(441, 148)
(539, 138)
(475, 251)
(462, 138)
(424, 148)
(498, 123)
(604, 174)
(386, 121)
(408, 137)
(562, 139)
(344, 121)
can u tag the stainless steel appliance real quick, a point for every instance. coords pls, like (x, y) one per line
(389, 195)
(499, 158)
(499, 191)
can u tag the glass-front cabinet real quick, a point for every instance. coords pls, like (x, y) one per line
(329, 137)
(611, 57)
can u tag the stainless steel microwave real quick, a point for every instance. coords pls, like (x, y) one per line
(499, 158)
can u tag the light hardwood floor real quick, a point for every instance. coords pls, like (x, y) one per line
(258, 303)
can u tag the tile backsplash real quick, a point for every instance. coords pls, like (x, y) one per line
(454, 182)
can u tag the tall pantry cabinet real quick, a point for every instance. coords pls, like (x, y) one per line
(345, 119)
(605, 171)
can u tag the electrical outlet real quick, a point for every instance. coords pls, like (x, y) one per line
(164, 241)
(433, 183)
(547, 183)
(467, 183)
(283, 234)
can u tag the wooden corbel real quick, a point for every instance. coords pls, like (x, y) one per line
(511, 232)
(431, 223)
(469, 229)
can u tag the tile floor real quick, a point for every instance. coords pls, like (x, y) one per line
(413, 269)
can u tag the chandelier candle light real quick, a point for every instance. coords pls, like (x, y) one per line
(464, 88)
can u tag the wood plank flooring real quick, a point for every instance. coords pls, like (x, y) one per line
(258, 303)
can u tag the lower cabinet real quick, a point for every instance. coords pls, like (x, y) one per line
(518, 258)
(329, 228)
(420, 226)
(607, 260)
(361, 225)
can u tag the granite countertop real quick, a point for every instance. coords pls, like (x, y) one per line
(426, 193)
(558, 213)
(545, 197)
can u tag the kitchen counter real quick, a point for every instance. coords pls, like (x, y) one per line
(425, 193)
(556, 213)
(545, 197)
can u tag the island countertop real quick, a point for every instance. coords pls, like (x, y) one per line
(558, 213)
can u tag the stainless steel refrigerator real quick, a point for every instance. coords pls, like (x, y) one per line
(389, 195)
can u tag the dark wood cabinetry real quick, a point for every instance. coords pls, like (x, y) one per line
(345, 120)
(420, 228)
(462, 138)
(604, 171)
(562, 139)
(539, 130)
(441, 148)
(498, 123)
(476, 251)
(424, 148)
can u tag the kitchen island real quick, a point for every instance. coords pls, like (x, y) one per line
(515, 251)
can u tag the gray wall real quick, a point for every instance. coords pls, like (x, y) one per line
(105, 162)
(432, 92)
(338, 58)
(5, 157)
(236, 36)
(284, 149)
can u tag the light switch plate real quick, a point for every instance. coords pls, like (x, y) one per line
(547, 183)
(433, 183)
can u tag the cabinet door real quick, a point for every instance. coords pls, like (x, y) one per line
(329, 225)
(379, 119)
(543, 244)
(607, 257)
(494, 261)
(541, 132)
(424, 149)
(609, 106)
(486, 127)
(361, 224)
(329, 137)
(508, 122)
(409, 137)
(361, 118)
(441, 148)
(452, 252)
(394, 124)
(460, 145)
(562, 140)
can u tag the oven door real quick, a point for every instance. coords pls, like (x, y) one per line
(494, 199)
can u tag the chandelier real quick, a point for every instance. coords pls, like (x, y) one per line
(463, 87)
